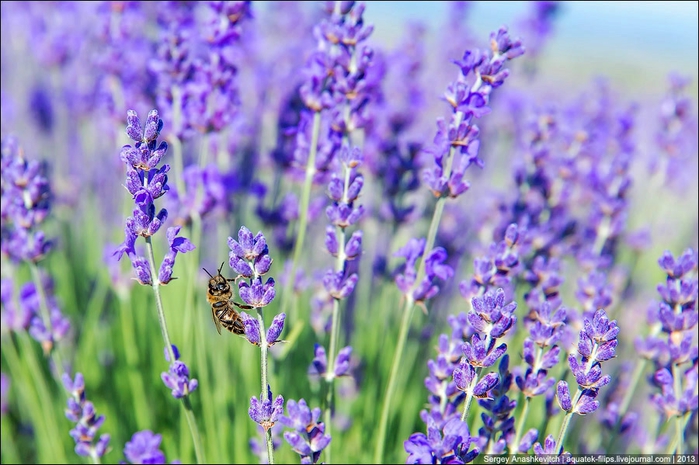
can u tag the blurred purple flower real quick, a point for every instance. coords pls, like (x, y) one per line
(144, 447)
(177, 377)
(307, 438)
(449, 444)
(82, 412)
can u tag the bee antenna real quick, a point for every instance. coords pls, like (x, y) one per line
(220, 267)
(207, 272)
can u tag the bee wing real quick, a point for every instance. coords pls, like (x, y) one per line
(216, 321)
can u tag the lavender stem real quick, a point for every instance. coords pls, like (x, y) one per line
(163, 328)
(405, 324)
(335, 328)
(52, 352)
(678, 419)
(522, 422)
(400, 346)
(566, 421)
(263, 378)
(303, 212)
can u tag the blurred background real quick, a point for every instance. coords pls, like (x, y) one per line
(58, 97)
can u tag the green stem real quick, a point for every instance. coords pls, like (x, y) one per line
(626, 401)
(340, 262)
(388, 396)
(522, 422)
(49, 346)
(32, 393)
(678, 418)
(263, 380)
(158, 300)
(677, 444)
(168, 345)
(44, 394)
(469, 395)
(330, 375)
(192, 423)
(405, 324)
(133, 373)
(303, 211)
(566, 421)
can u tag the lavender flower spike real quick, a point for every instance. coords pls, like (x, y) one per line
(449, 444)
(82, 412)
(177, 377)
(264, 411)
(308, 438)
(144, 447)
(146, 183)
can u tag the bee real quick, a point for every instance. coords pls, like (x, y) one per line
(220, 297)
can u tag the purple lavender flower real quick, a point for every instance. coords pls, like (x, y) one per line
(540, 352)
(497, 268)
(82, 412)
(676, 137)
(264, 411)
(538, 25)
(177, 377)
(456, 144)
(319, 365)
(597, 344)
(26, 201)
(449, 444)
(343, 190)
(144, 447)
(307, 438)
(435, 268)
(249, 257)
(146, 183)
(177, 244)
(498, 423)
(30, 310)
(674, 350)
(549, 448)
(206, 190)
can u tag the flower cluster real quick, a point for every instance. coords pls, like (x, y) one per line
(674, 350)
(265, 411)
(307, 438)
(491, 318)
(144, 447)
(249, 257)
(197, 83)
(456, 144)
(497, 268)
(597, 344)
(449, 444)
(319, 366)
(26, 201)
(435, 268)
(677, 137)
(252, 329)
(177, 377)
(343, 213)
(540, 352)
(82, 412)
(146, 183)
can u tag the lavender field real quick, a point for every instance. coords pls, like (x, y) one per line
(332, 232)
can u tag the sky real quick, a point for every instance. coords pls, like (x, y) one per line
(636, 43)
